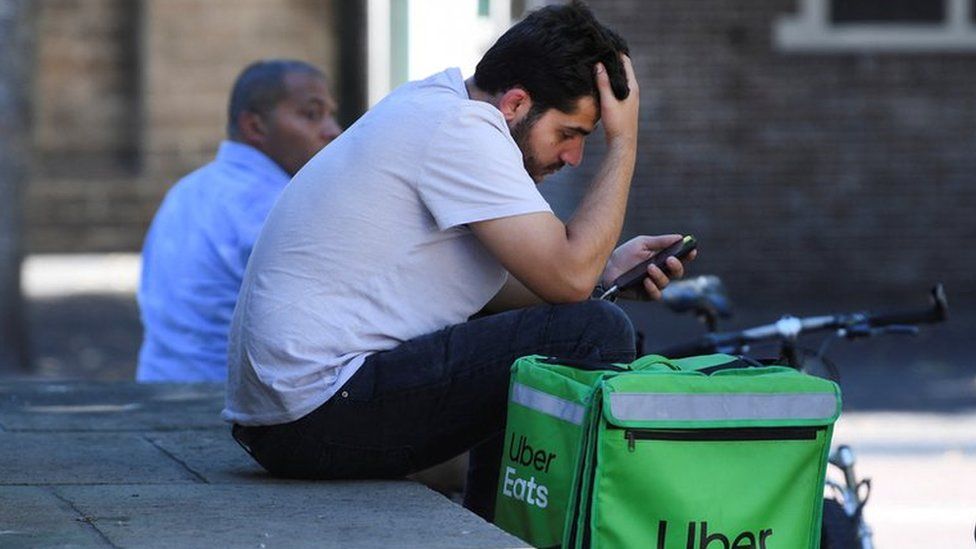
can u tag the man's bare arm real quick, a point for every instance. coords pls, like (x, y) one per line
(562, 262)
(513, 295)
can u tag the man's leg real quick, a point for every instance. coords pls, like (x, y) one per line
(593, 330)
(438, 395)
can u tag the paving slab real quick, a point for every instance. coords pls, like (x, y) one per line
(109, 406)
(212, 454)
(921, 500)
(921, 467)
(126, 465)
(86, 458)
(353, 515)
(32, 517)
(911, 428)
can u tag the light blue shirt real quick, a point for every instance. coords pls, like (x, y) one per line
(193, 262)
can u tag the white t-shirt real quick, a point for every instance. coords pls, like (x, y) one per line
(368, 247)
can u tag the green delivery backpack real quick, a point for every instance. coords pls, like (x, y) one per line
(709, 452)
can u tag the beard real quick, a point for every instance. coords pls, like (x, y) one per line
(520, 133)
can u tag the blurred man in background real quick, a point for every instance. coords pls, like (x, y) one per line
(280, 114)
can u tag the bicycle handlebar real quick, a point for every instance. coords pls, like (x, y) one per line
(939, 312)
(789, 328)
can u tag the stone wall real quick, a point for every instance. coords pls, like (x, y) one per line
(193, 51)
(804, 175)
(130, 95)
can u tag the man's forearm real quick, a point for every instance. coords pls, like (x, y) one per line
(562, 262)
(595, 227)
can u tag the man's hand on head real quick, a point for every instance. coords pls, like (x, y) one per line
(637, 250)
(619, 117)
(561, 262)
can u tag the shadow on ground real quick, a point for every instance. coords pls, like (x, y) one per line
(86, 336)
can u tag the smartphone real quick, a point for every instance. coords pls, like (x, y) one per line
(634, 276)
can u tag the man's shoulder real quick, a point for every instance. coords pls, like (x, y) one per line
(442, 98)
(220, 179)
(204, 193)
(472, 125)
(198, 176)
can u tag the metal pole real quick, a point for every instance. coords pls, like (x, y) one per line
(16, 60)
(352, 80)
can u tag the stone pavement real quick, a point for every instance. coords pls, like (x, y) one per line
(115, 464)
(90, 464)
(922, 468)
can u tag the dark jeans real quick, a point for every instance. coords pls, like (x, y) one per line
(434, 397)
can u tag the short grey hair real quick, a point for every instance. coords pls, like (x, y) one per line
(261, 86)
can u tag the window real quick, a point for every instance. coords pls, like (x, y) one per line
(874, 11)
(412, 39)
(879, 26)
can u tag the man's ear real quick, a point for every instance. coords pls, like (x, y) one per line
(252, 128)
(515, 104)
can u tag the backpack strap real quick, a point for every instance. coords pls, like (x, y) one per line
(583, 364)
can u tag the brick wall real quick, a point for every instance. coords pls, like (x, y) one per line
(85, 105)
(86, 121)
(193, 51)
(131, 95)
(806, 177)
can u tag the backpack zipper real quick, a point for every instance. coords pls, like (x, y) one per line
(721, 434)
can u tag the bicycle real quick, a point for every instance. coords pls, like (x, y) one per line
(843, 523)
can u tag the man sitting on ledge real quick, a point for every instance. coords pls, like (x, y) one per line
(351, 353)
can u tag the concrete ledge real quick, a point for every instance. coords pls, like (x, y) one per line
(128, 465)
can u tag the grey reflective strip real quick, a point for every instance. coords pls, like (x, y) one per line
(706, 407)
(547, 404)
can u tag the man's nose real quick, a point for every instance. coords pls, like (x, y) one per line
(330, 129)
(574, 154)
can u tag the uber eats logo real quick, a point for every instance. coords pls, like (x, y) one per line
(528, 490)
(698, 537)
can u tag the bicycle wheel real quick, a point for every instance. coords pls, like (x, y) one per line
(839, 530)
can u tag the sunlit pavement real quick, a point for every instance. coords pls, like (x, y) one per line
(922, 468)
(119, 464)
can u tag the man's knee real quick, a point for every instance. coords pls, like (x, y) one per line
(612, 317)
(603, 322)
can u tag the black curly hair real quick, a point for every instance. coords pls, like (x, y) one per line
(551, 55)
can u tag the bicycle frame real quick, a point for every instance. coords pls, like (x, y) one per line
(843, 458)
